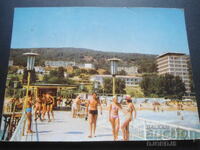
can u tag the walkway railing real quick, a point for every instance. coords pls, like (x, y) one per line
(21, 127)
(144, 129)
(17, 135)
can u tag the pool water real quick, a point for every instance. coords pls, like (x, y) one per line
(190, 119)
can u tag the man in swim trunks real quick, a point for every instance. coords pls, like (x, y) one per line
(93, 113)
(50, 104)
(28, 111)
(38, 108)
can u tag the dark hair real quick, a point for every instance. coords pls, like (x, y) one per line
(94, 93)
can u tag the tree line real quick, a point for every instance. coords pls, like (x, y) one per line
(167, 86)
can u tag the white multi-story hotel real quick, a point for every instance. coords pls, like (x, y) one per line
(129, 70)
(175, 64)
(59, 63)
(85, 66)
(129, 80)
(89, 66)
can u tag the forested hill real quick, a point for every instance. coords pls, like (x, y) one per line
(81, 55)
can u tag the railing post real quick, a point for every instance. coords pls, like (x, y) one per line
(176, 133)
(188, 134)
(144, 129)
(24, 125)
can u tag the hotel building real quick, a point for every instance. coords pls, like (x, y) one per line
(129, 80)
(59, 63)
(175, 64)
(129, 70)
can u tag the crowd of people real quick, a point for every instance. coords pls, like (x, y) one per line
(42, 105)
(91, 113)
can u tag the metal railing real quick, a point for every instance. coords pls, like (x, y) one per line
(144, 129)
(21, 127)
(17, 135)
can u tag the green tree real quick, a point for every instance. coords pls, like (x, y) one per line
(12, 69)
(119, 88)
(57, 77)
(60, 72)
(53, 73)
(122, 72)
(147, 65)
(92, 71)
(33, 76)
(167, 85)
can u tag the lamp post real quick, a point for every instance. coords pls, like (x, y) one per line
(15, 87)
(96, 85)
(113, 68)
(82, 87)
(30, 66)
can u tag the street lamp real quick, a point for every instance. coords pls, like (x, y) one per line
(113, 67)
(82, 87)
(15, 87)
(96, 85)
(30, 66)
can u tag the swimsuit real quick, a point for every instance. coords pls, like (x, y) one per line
(113, 115)
(94, 105)
(93, 112)
(49, 103)
(28, 110)
(74, 105)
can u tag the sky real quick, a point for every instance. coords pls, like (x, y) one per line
(130, 30)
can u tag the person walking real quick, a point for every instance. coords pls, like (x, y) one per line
(38, 108)
(92, 112)
(114, 117)
(128, 118)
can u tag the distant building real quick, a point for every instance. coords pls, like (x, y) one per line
(89, 66)
(20, 71)
(129, 70)
(10, 63)
(129, 80)
(39, 69)
(59, 63)
(85, 66)
(175, 64)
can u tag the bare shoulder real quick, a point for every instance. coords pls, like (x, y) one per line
(133, 106)
(119, 105)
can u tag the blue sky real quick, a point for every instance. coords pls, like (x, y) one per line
(135, 30)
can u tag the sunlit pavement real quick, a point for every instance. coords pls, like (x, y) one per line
(66, 128)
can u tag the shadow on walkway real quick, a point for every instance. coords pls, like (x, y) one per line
(74, 132)
(102, 135)
(44, 131)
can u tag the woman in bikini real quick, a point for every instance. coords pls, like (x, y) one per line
(128, 118)
(114, 117)
(93, 113)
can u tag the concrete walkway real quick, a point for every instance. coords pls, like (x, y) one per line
(66, 128)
